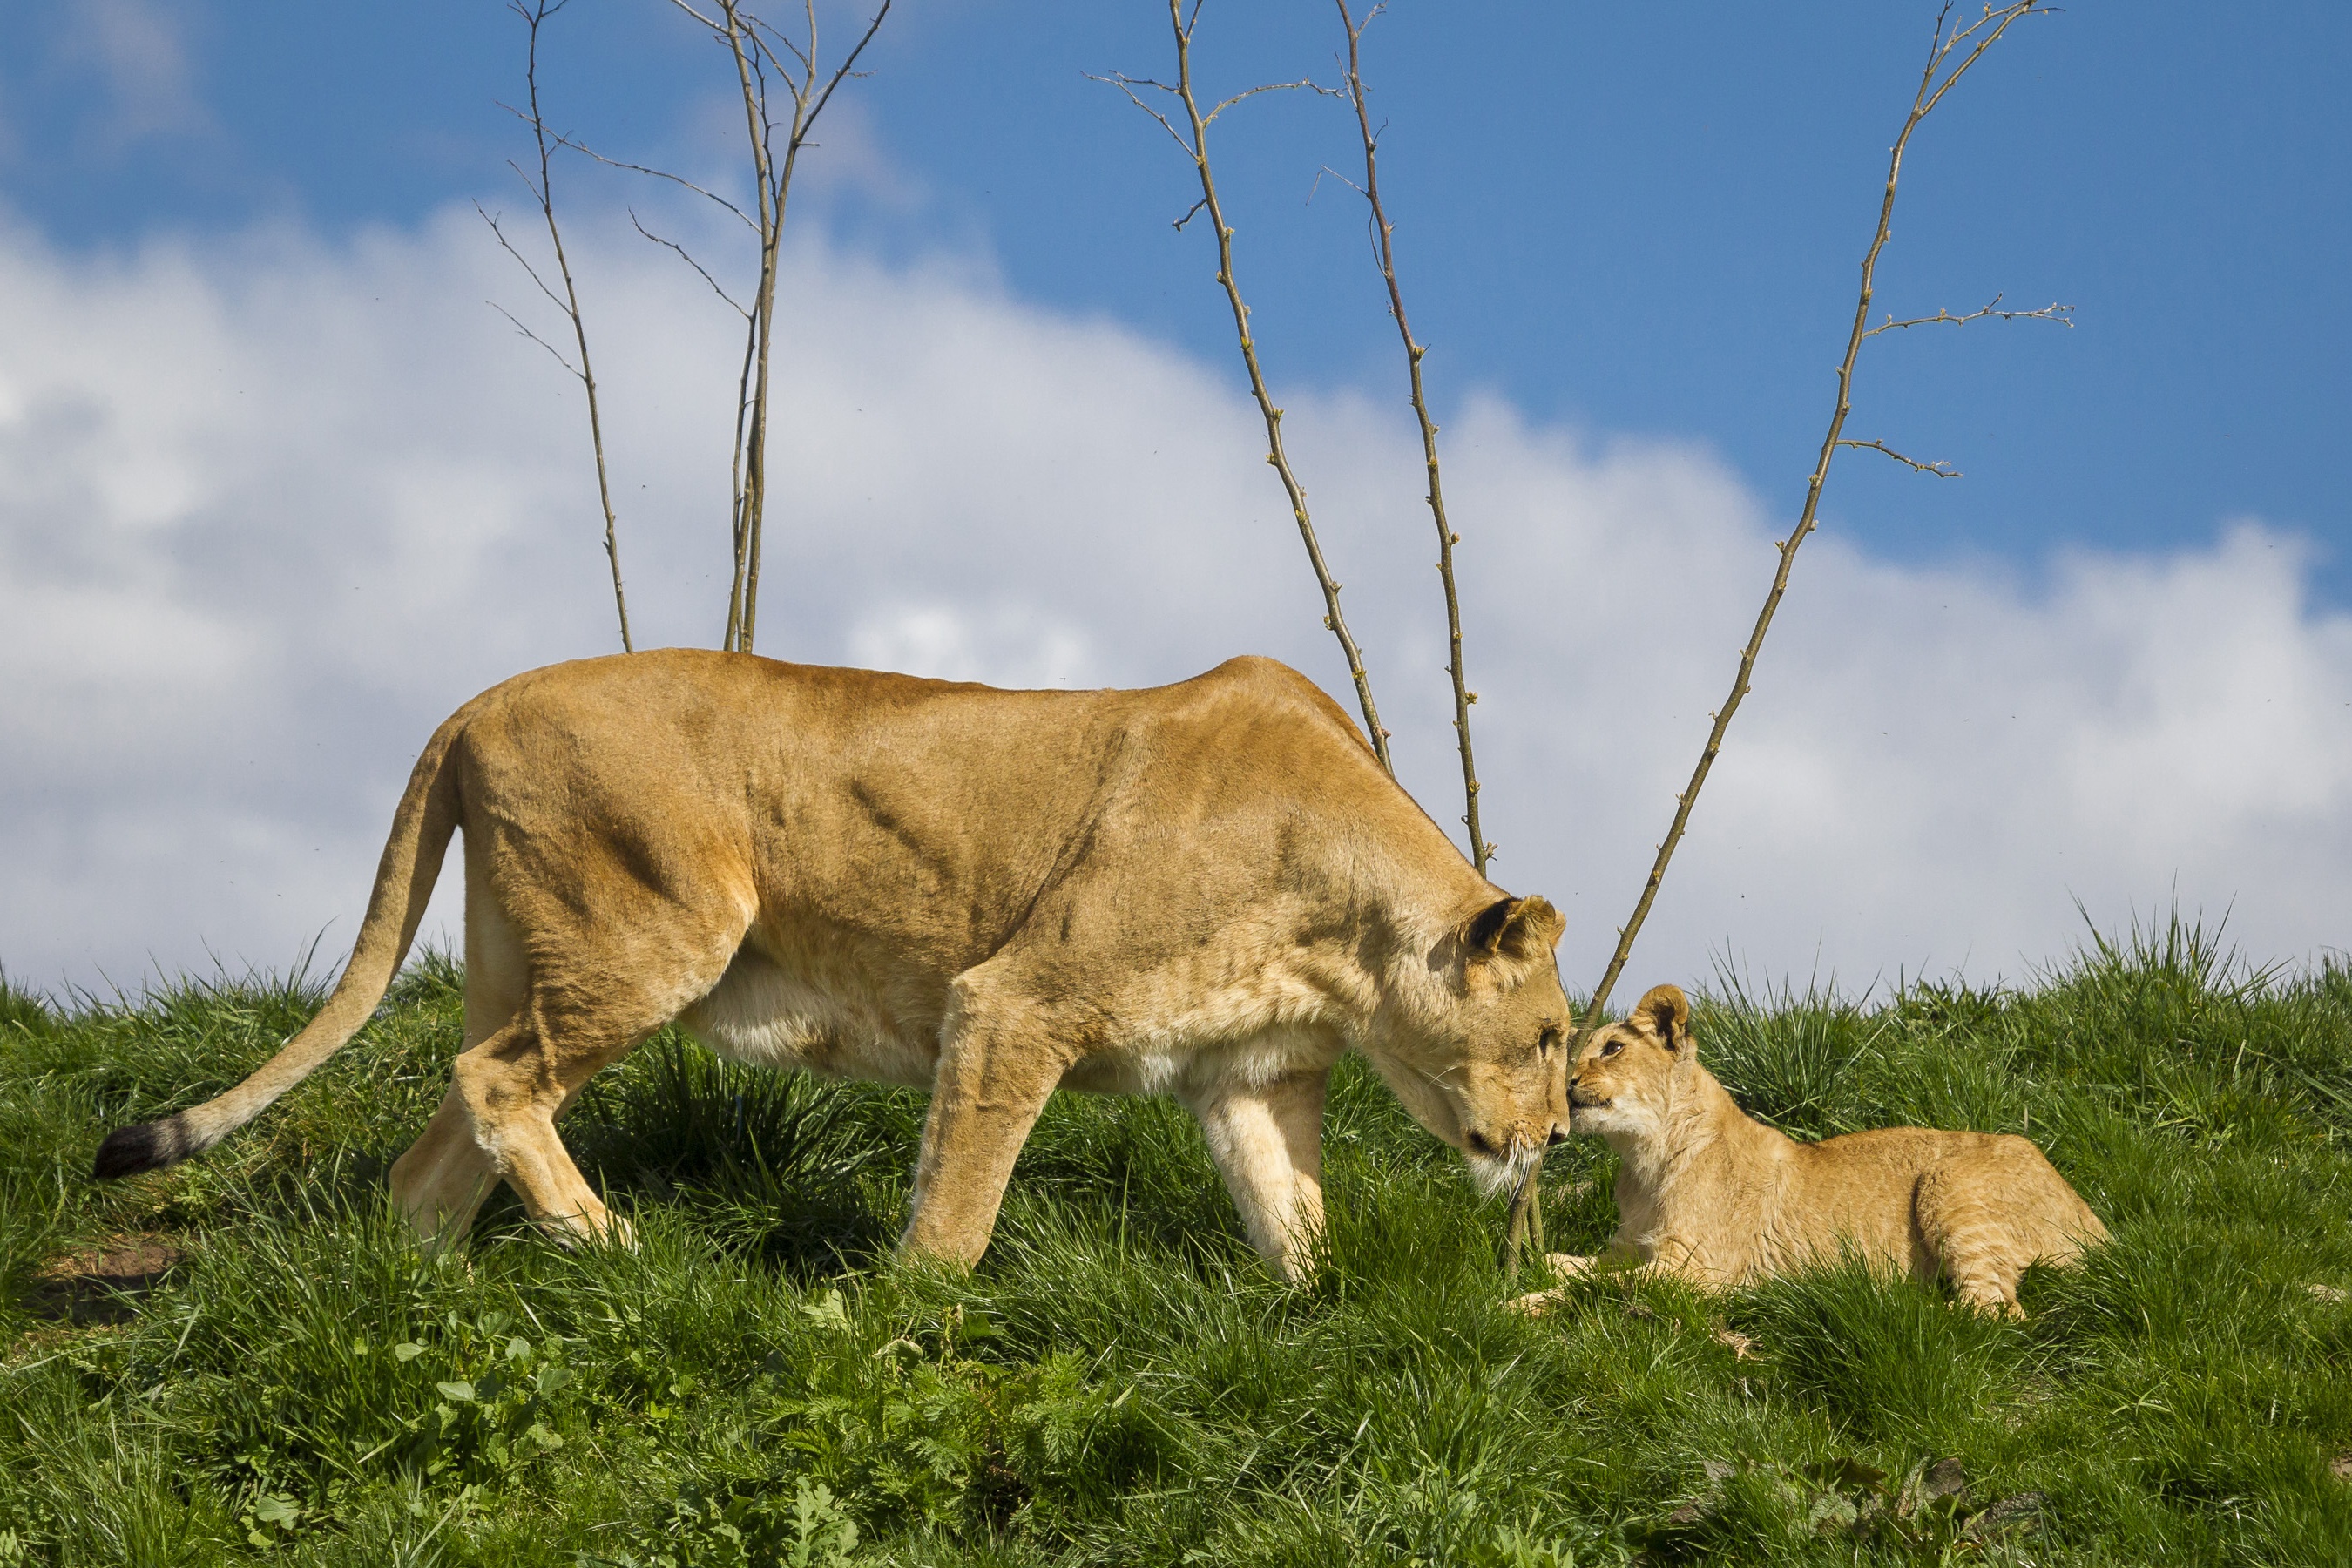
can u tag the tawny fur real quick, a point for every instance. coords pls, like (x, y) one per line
(1708, 1192)
(1208, 889)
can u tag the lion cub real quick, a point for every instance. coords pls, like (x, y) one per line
(1708, 1192)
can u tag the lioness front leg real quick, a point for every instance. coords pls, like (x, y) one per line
(1267, 1142)
(1000, 1060)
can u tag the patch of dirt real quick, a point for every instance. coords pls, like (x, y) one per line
(98, 1284)
(2340, 1467)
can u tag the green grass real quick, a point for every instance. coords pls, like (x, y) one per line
(1121, 1381)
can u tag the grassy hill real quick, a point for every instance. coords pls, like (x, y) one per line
(281, 1377)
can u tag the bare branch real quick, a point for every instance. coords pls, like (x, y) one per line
(568, 368)
(1190, 213)
(756, 47)
(1196, 149)
(1991, 26)
(1210, 117)
(1327, 169)
(574, 144)
(1384, 233)
(689, 260)
(2061, 314)
(534, 16)
(1940, 469)
(751, 419)
(585, 150)
(1525, 1208)
(809, 121)
(714, 26)
(524, 261)
(1127, 84)
(805, 59)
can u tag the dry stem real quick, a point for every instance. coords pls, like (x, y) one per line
(1980, 36)
(760, 52)
(1940, 469)
(1382, 233)
(1196, 148)
(2061, 314)
(534, 15)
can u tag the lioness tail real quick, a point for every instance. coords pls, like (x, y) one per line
(404, 882)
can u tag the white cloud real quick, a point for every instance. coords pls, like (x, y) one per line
(139, 52)
(270, 508)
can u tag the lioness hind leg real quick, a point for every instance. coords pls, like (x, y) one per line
(516, 1082)
(438, 1186)
(1267, 1142)
(1973, 1235)
(512, 1087)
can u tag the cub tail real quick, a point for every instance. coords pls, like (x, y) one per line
(421, 828)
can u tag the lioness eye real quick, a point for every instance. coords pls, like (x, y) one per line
(1546, 1041)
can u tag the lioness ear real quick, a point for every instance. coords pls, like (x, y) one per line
(1514, 930)
(1666, 1013)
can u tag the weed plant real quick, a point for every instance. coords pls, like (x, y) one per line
(756, 1382)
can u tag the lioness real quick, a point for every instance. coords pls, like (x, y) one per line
(1705, 1192)
(1208, 889)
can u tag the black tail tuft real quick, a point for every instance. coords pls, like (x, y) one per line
(130, 1149)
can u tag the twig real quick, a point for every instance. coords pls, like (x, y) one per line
(751, 462)
(1196, 148)
(534, 16)
(587, 152)
(2061, 314)
(1526, 1212)
(521, 331)
(753, 47)
(1941, 470)
(683, 255)
(1383, 232)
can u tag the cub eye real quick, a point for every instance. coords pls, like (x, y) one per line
(1612, 1048)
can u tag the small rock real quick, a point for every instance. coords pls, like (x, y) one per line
(2340, 1467)
(1945, 1478)
(2004, 1514)
(2327, 1292)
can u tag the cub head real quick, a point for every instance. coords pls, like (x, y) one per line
(1630, 1074)
(1484, 1071)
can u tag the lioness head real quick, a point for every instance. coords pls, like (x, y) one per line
(1629, 1075)
(1484, 1072)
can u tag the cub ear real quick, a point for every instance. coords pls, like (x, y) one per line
(1515, 931)
(1666, 1013)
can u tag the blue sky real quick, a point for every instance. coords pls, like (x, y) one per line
(278, 490)
(1637, 219)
